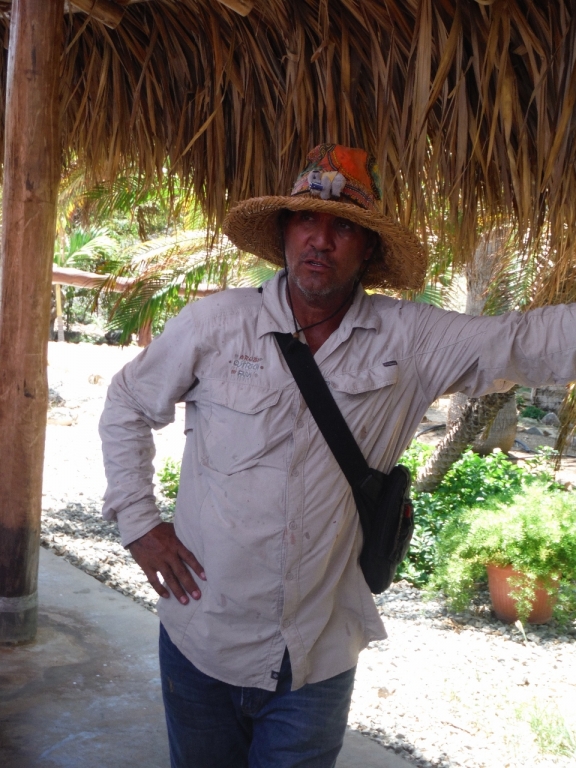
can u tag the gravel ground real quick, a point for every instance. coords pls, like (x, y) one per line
(442, 690)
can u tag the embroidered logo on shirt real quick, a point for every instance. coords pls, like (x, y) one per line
(246, 366)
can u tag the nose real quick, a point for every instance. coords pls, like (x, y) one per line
(321, 235)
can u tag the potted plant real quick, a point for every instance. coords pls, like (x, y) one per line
(533, 538)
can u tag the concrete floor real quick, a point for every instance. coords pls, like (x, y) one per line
(81, 697)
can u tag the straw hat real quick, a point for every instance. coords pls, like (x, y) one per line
(344, 182)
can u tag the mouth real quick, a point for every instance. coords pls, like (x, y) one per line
(316, 264)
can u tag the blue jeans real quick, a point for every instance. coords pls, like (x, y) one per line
(216, 725)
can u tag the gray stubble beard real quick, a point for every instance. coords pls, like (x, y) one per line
(323, 292)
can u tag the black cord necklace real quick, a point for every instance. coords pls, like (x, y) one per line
(298, 330)
(350, 296)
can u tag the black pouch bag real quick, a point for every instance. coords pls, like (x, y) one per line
(383, 503)
(387, 519)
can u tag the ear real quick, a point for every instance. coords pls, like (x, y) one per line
(284, 217)
(371, 244)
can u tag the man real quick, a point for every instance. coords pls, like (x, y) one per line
(258, 666)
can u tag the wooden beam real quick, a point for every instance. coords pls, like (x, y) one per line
(31, 175)
(106, 11)
(243, 7)
(81, 279)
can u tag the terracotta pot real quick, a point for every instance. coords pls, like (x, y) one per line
(505, 606)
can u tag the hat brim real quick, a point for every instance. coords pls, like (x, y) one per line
(400, 262)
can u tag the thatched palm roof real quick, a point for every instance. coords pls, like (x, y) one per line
(467, 104)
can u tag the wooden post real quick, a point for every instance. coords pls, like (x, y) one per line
(59, 318)
(31, 175)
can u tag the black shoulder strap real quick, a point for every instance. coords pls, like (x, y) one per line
(323, 408)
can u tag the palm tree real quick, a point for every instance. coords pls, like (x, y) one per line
(164, 274)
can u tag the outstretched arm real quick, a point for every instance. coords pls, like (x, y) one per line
(480, 355)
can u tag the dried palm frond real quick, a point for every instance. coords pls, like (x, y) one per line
(468, 106)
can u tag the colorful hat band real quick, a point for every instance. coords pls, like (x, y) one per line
(334, 171)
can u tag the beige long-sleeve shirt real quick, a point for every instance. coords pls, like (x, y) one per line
(262, 503)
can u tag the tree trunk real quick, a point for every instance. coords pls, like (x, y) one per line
(31, 175)
(502, 433)
(477, 415)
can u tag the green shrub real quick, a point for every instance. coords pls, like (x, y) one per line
(535, 533)
(532, 412)
(169, 476)
(471, 481)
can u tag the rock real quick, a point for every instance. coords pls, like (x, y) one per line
(55, 399)
(534, 431)
(548, 398)
(61, 417)
(551, 420)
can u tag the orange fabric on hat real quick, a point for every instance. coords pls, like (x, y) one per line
(357, 167)
(352, 163)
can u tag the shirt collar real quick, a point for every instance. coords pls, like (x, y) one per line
(275, 312)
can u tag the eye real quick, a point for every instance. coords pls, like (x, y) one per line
(345, 225)
(306, 216)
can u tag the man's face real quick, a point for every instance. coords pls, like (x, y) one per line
(324, 253)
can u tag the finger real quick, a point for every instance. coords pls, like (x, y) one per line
(175, 583)
(156, 584)
(186, 579)
(191, 560)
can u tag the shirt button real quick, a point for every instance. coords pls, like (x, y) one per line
(299, 424)
(289, 577)
(295, 473)
(287, 622)
(292, 525)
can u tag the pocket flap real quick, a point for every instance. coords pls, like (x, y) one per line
(367, 380)
(240, 397)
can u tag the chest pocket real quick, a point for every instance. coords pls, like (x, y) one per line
(365, 398)
(244, 427)
(367, 380)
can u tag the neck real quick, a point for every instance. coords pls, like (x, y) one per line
(325, 313)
